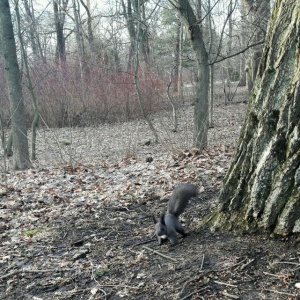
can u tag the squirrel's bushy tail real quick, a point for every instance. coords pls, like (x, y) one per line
(182, 193)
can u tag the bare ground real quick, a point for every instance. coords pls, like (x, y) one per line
(79, 226)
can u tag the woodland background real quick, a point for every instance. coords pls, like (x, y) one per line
(82, 57)
(77, 224)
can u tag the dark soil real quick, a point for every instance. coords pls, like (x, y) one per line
(109, 260)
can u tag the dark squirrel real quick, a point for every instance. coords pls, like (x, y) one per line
(168, 225)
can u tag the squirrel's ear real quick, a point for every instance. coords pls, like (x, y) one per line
(162, 218)
(154, 219)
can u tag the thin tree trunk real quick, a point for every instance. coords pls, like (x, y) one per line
(180, 67)
(31, 25)
(137, 86)
(211, 97)
(30, 86)
(243, 38)
(127, 10)
(201, 103)
(59, 17)
(79, 40)
(91, 38)
(21, 159)
(228, 67)
(211, 71)
(3, 144)
(175, 73)
(174, 112)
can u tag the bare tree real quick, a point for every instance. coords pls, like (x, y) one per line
(139, 42)
(201, 104)
(79, 36)
(177, 70)
(21, 159)
(30, 86)
(128, 14)
(211, 67)
(90, 34)
(33, 32)
(59, 8)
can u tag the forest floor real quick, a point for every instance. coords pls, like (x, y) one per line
(79, 225)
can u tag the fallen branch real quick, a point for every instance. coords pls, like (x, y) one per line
(34, 271)
(230, 295)
(283, 293)
(274, 275)
(158, 253)
(202, 262)
(247, 264)
(224, 283)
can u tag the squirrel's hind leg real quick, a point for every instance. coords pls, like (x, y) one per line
(179, 228)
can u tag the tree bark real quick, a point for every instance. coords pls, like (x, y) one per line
(262, 187)
(21, 159)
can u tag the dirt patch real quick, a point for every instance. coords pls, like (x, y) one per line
(85, 231)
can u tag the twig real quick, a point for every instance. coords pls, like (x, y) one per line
(224, 283)
(230, 295)
(142, 242)
(195, 292)
(274, 275)
(202, 262)
(282, 293)
(158, 253)
(197, 278)
(247, 264)
(237, 53)
(230, 267)
(34, 271)
(286, 262)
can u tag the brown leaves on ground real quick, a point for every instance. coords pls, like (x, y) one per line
(86, 232)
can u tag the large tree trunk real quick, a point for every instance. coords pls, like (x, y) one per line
(13, 80)
(262, 187)
(201, 103)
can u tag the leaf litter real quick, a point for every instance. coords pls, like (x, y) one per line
(73, 230)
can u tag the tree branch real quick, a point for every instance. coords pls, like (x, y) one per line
(237, 53)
